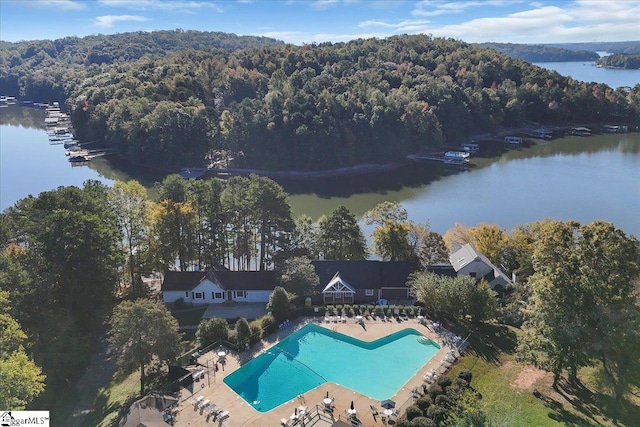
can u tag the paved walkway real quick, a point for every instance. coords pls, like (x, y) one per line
(212, 388)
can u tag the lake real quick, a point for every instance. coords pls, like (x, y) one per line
(585, 179)
(588, 72)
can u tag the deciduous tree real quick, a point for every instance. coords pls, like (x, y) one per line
(133, 208)
(212, 330)
(141, 331)
(299, 277)
(583, 299)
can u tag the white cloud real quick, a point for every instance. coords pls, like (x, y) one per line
(577, 21)
(399, 26)
(60, 4)
(168, 5)
(323, 4)
(107, 21)
(436, 8)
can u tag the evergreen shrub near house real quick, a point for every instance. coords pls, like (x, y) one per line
(422, 422)
(434, 390)
(268, 324)
(412, 412)
(423, 403)
(256, 331)
(466, 375)
(444, 382)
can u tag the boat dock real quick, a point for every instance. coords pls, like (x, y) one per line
(452, 158)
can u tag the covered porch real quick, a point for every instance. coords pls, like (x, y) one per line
(338, 291)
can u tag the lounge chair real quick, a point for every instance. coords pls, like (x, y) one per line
(223, 415)
(284, 422)
(197, 401)
(203, 404)
(374, 410)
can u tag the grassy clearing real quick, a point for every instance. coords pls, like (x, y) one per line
(517, 394)
(112, 397)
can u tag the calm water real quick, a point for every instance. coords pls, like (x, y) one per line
(588, 72)
(314, 355)
(570, 178)
(29, 164)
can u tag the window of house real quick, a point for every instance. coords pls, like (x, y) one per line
(217, 295)
(368, 292)
(473, 274)
(199, 295)
(186, 294)
(241, 294)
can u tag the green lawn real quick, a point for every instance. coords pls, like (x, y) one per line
(507, 388)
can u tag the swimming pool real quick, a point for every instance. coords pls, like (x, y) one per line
(314, 355)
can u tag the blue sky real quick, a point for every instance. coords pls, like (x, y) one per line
(307, 21)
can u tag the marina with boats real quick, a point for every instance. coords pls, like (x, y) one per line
(60, 132)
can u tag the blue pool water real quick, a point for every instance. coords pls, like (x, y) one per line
(314, 355)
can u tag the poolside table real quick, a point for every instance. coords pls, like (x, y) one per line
(327, 401)
(388, 412)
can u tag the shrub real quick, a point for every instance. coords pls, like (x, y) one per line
(437, 413)
(460, 384)
(268, 324)
(179, 303)
(413, 411)
(422, 422)
(434, 390)
(423, 403)
(444, 381)
(466, 375)
(442, 400)
(403, 423)
(256, 332)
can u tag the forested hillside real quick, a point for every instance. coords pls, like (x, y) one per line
(620, 60)
(45, 70)
(542, 52)
(311, 107)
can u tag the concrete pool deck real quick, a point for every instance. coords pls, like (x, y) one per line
(212, 387)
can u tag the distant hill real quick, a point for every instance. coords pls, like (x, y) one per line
(611, 47)
(621, 60)
(542, 52)
(177, 99)
(107, 49)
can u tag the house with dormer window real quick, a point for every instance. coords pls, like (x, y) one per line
(467, 261)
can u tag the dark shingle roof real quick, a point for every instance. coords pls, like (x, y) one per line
(442, 270)
(364, 274)
(228, 280)
(182, 280)
(246, 280)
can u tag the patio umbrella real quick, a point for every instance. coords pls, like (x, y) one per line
(352, 405)
(327, 395)
(388, 404)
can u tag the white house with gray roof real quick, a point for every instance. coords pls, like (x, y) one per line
(218, 286)
(466, 261)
